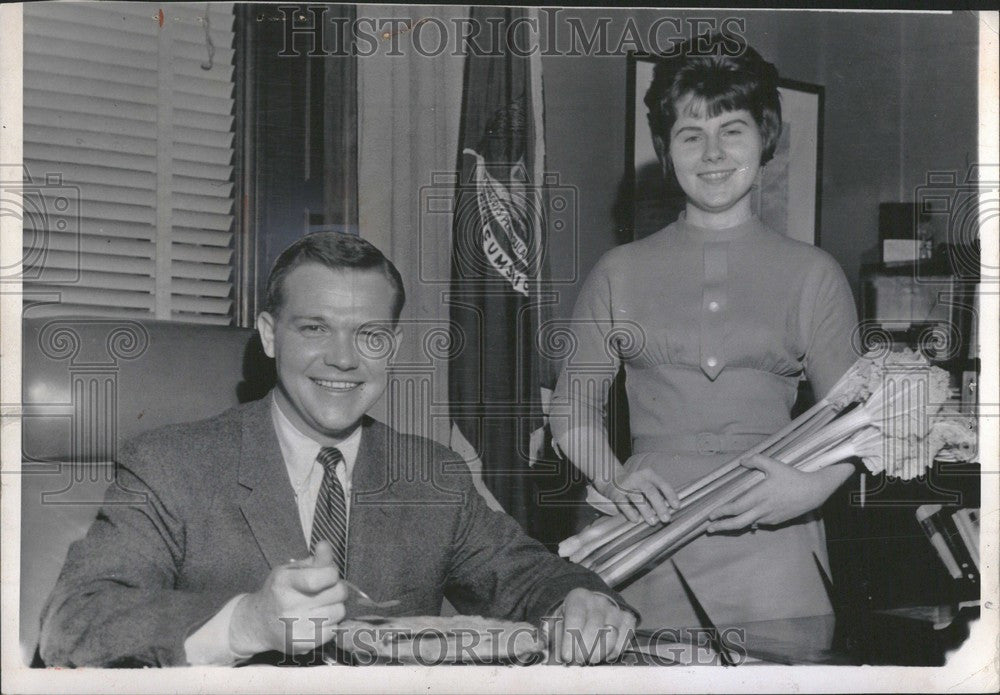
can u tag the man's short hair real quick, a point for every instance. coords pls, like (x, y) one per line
(721, 83)
(337, 251)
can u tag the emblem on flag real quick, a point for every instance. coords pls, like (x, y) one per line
(506, 226)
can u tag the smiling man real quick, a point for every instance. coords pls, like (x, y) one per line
(254, 518)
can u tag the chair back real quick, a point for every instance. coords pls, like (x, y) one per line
(89, 384)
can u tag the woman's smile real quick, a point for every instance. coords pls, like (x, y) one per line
(717, 176)
(716, 160)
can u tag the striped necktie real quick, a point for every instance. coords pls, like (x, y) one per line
(330, 519)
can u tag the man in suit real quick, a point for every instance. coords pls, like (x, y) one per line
(252, 517)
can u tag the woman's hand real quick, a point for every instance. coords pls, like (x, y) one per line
(640, 494)
(785, 494)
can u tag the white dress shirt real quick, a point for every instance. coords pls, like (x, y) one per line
(210, 643)
(305, 472)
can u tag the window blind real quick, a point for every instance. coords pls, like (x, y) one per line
(128, 128)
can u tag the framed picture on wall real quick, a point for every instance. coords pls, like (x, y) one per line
(787, 198)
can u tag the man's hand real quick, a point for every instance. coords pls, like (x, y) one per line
(588, 628)
(785, 494)
(641, 494)
(304, 593)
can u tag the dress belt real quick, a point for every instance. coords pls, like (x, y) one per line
(702, 443)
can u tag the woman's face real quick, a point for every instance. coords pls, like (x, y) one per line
(716, 161)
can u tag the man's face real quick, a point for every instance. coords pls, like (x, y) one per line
(325, 383)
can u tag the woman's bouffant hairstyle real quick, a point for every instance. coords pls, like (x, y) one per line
(722, 83)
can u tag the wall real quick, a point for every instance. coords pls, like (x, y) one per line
(900, 101)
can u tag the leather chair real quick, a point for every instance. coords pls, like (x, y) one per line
(88, 385)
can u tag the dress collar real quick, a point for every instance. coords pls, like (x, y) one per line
(705, 235)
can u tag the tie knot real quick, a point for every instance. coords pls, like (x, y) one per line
(329, 457)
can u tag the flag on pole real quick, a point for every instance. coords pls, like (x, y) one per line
(494, 383)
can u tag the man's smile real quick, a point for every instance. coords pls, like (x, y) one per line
(337, 386)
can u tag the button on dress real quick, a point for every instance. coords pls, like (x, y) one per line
(715, 329)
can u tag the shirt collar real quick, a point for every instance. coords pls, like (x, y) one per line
(300, 451)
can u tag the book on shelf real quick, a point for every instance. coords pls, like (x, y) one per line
(967, 523)
(960, 558)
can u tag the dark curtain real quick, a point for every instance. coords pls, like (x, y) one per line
(297, 153)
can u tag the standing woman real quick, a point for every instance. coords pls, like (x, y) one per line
(725, 317)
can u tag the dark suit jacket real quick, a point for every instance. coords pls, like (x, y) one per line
(219, 513)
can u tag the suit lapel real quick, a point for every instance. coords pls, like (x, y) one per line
(270, 508)
(373, 516)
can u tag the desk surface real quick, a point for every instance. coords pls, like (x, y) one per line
(789, 641)
(906, 637)
(918, 636)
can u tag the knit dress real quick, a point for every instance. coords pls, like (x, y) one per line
(715, 329)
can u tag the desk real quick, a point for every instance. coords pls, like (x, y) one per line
(917, 636)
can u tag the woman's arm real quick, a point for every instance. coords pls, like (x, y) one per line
(786, 493)
(827, 324)
(640, 494)
(577, 416)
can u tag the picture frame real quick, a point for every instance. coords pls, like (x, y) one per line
(787, 197)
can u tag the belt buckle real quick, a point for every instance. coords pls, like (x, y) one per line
(709, 443)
